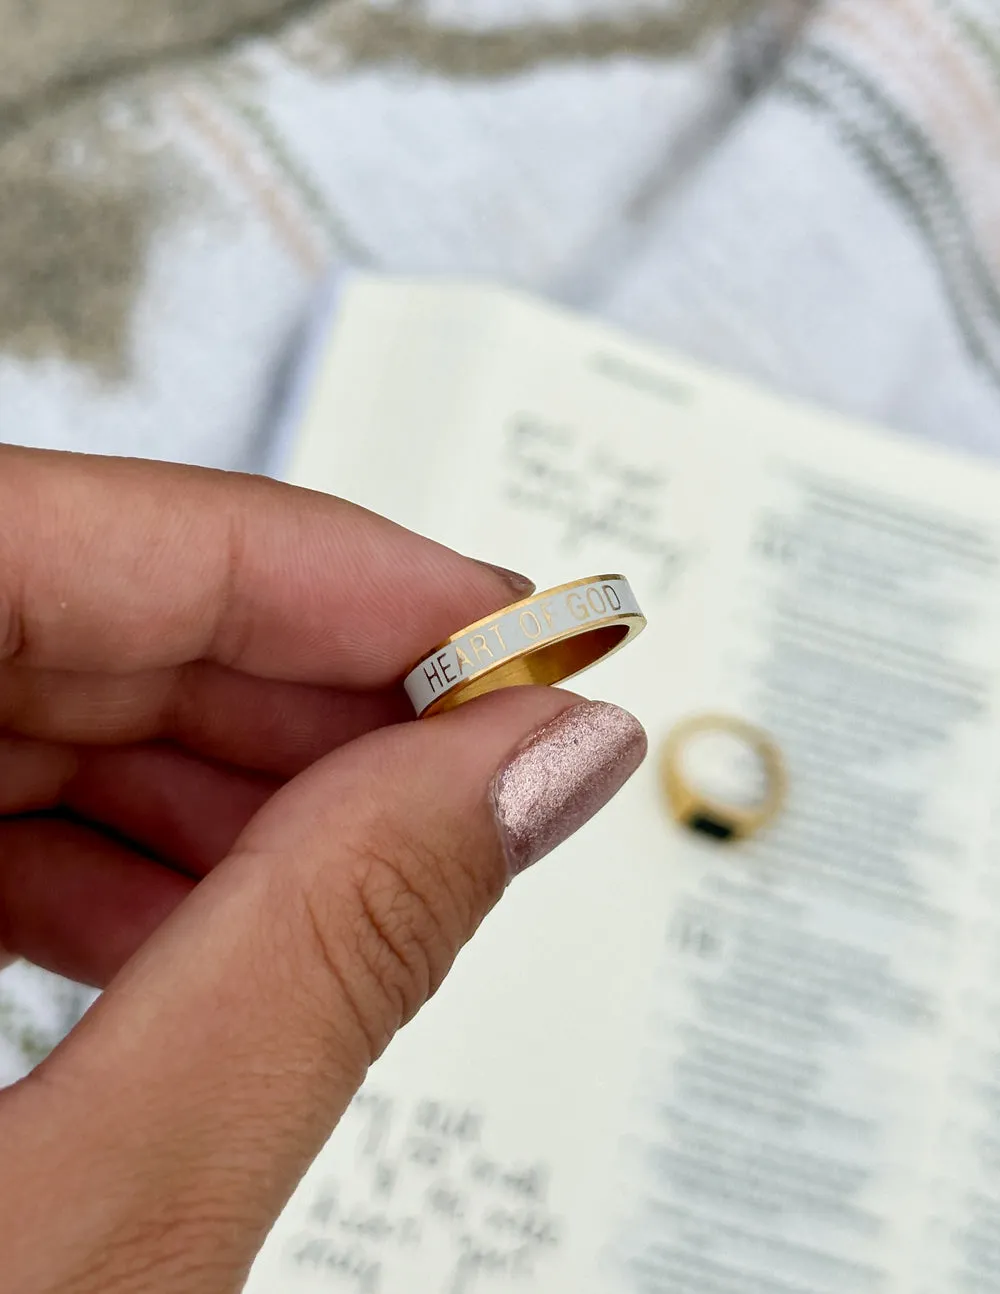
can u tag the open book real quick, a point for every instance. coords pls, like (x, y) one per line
(666, 1065)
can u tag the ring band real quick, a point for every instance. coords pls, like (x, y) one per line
(706, 815)
(541, 640)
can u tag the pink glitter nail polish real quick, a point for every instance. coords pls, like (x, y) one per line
(562, 776)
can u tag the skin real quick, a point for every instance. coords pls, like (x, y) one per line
(213, 806)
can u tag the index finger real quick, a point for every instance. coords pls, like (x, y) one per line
(123, 565)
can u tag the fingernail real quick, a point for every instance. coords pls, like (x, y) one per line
(562, 776)
(520, 584)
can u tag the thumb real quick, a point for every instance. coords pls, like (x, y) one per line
(176, 1120)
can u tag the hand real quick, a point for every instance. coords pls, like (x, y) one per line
(212, 803)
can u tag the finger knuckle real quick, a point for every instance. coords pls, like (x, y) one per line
(402, 933)
(400, 927)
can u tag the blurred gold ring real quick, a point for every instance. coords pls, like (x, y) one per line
(541, 640)
(709, 816)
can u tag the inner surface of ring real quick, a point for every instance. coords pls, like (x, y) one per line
(543, 667)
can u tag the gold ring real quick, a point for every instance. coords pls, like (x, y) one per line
(541, 640)
(705, 813)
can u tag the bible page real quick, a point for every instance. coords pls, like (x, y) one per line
(668, 1065)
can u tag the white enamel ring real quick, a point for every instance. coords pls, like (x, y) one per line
(541, 640)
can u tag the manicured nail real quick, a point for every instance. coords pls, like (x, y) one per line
(562, 776)
(520, 584)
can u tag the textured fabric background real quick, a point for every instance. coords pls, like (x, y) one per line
(806, 191)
